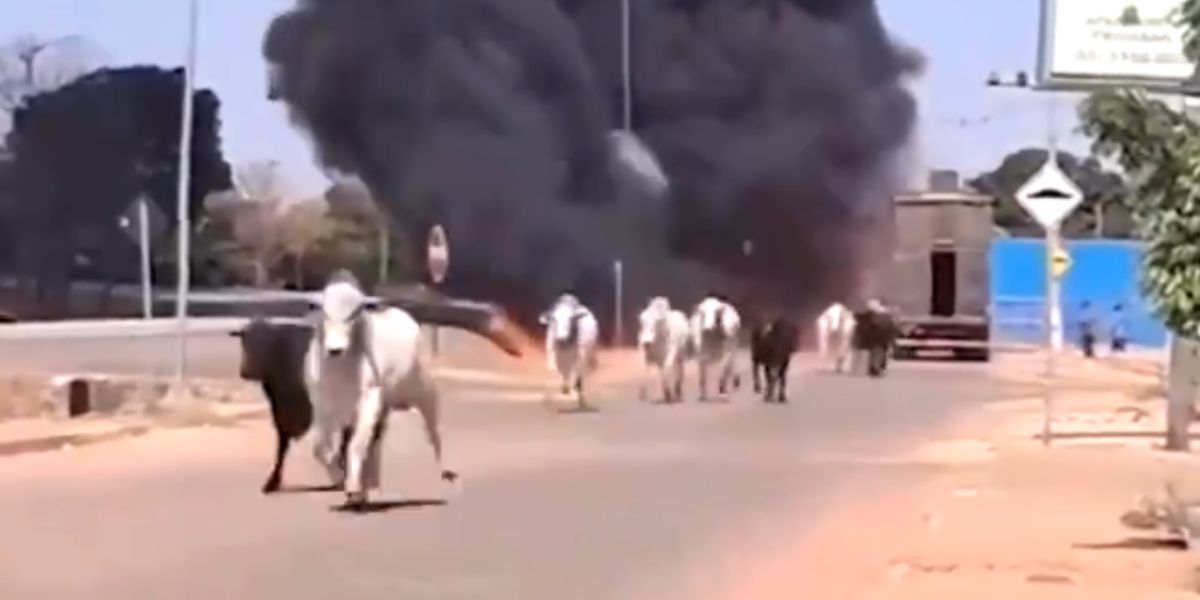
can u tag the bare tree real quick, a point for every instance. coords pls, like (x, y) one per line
(257, 226)
(30, 65)
(303, 226)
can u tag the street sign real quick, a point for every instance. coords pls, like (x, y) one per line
(1060, 263)
(1049, 196)
(438, 256)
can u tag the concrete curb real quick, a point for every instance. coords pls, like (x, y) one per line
(46, 443)
(114, 432)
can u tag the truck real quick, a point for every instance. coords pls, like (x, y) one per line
(938, 283)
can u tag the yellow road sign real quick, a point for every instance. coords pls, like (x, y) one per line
(1060, 263)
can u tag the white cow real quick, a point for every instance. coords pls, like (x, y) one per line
(572, 334)
(364, 362)
(664, 339)
(715, 325)
(835, 332)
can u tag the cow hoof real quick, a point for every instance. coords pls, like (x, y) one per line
(355, 501)
(271, 486)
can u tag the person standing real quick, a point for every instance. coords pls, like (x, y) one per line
(1087, 330)
(1119, 334)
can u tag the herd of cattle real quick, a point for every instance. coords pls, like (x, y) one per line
(345, 369)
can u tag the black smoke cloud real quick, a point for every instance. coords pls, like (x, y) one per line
(779, 122)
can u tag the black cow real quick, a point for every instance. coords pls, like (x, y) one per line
(771, 347)
(875, 333)
(273, 355)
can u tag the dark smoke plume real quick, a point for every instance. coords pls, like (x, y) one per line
(777, 122)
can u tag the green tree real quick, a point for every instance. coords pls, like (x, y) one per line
(1160, 149)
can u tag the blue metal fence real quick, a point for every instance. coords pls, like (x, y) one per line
(1103, 272)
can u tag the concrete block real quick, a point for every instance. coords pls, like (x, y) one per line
(72, 395)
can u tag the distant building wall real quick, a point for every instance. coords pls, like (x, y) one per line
(1103, 272)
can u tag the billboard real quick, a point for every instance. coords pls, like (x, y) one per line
(1093, 43)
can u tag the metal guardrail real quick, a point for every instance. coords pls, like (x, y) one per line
(114, 328)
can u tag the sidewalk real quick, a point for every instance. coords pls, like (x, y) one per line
(20, 436)
(1004, 517)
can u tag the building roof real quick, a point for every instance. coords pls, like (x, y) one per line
(956, 197)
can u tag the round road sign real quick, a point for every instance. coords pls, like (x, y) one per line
(1060, 263)
(438, 255)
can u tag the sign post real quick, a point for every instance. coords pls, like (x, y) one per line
(1049, 196)
(437, 260)
(151, 225)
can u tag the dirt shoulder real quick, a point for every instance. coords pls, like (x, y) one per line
(1005, 517)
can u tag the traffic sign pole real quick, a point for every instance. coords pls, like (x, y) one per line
(144, 242)
(437, 260)
(1049, 196)
(1054, 333)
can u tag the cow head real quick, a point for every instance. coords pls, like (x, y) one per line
(653, 320)
(712, 314)
(258, 341)
(562, 320)
(340, 307)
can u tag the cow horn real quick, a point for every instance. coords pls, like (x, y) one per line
(485, 320)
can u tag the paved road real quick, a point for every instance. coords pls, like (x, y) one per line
(636, 501)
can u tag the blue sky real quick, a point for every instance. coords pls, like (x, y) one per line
(964, 124)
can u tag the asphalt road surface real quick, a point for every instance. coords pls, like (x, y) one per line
(638, 500)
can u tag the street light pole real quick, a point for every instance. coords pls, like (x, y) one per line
(183, 229)
(144, 244)
(626, 67)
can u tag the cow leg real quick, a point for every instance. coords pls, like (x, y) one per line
(374, 465)
(325, 451)
(722, 380)
(578, 379)
(768, 384)
(726, 374)
(782, 375)
(664, 382)
(703, 377)
(755, 365)
(370, 412)
(430, 418)
(281, 449)
(677, 375)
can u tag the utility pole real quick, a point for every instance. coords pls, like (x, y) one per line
(626, 67)
(618, 303)
(183, 228)
(144, 243)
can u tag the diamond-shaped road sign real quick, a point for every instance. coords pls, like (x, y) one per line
(128, 221)
(1049, 196)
